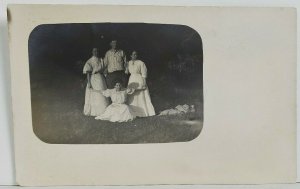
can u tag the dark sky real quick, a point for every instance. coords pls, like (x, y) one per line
(155, 43)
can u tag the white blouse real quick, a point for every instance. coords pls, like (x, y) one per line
(118, 97)
(137, 67)
(94, 64)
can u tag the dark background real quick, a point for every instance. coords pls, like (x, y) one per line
(57, 52)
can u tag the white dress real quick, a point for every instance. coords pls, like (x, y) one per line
(140, 100)
(118, 111)
(95, 102)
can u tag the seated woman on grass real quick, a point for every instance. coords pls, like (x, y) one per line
(118, 111)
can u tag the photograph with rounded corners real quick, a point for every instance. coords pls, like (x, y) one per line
(116, 83)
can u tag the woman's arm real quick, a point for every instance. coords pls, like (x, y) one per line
(125, 63)
(87, 67)
(144, 74)
(126, 67)
(105, 64)
(130, 91)
(106, 92)
(88, 74)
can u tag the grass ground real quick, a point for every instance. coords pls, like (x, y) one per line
(57, 117)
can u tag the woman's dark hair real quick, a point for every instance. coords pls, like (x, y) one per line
(117, 81)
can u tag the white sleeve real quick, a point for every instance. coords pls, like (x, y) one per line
(106, 93)
(143, 70)
(87, 67)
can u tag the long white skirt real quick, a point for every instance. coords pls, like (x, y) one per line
(95, 102)
(117, 113)
(140, 100)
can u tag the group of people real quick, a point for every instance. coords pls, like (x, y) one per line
(109, 94)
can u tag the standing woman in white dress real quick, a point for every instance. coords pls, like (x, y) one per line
(140, 100)
(95, 102)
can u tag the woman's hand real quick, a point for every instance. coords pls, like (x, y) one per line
(130, 90)
(90, 86)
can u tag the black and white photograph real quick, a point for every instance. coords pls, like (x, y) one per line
(112, 95)
(116, 83)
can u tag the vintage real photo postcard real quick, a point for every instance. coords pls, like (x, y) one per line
(128, 95)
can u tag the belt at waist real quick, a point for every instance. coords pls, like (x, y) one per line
(117, 71)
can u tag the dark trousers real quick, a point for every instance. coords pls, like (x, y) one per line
(116, 76)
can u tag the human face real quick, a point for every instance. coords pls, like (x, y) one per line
(118, 86)
(95, 52)
(114, 44)
(134, 55)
